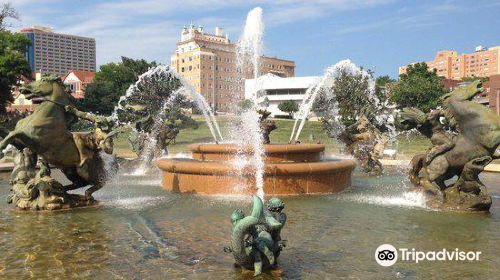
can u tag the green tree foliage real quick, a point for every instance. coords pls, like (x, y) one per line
(244, 105)
(100, 98)
(138, 66)
(111, 82)
(176, 118)
(380, 83)
(157, 96)
(7, 11)
(383, 80)
(13, 64)
(419, 88)
(352, 93)
(474, 78)
(289, 106)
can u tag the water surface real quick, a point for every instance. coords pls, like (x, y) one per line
(144, 232)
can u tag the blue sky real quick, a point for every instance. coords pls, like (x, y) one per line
(377, 34)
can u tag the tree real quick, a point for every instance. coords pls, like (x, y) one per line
(245, 105)
(350, 97)
(7, 12)
(158, 96)
(381, 83)
(138, 66)
(112, 82)
(100, 98)
(289, 106)
(13, 64)
(474, 78)
(419, 88)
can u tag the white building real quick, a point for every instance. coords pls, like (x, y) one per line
(280, 89)
(77, 81)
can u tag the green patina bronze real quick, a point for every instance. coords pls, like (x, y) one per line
(147, 129)
(364, 141)
(266, 126)
(464, 153)
(256, 239)
(46, 134)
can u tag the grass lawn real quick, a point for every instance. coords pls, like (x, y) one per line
(312, 132)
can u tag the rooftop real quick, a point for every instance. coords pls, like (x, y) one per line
(83, 76)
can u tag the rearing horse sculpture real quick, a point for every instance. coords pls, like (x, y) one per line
(46, 133)
(464, 155)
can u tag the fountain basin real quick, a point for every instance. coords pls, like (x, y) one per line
(289, 170)
(274, 152)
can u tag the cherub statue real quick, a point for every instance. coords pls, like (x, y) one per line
(255, 239)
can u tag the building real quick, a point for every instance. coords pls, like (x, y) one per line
(278, 89)
(53, 53)
(491, 95)
(21, 103)
(449, 84)
(208, 62)
(492, 90)
(449, 64)
(77, 80)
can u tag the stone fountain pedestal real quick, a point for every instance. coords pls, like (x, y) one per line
(290, 169)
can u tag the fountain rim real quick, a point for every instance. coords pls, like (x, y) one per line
(276, 148)
(192, 166)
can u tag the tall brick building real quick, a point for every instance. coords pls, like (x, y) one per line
(449, 64)
(208, 62)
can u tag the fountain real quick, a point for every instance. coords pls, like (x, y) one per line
(143, 232)
(351, 113)
(288, 170)
(249, 163)
(156, 91)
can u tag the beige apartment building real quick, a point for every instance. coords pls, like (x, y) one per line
(449, 64)
(54, 53)
(208, 62)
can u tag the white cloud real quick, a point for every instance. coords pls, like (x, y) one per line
(151, 42)
(424, 17)
(286, 15)
(150, 29)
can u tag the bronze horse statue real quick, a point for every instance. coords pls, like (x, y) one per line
(464, 155)
(46, 133)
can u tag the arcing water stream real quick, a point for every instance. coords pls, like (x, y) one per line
(323, 85)
(150, 79)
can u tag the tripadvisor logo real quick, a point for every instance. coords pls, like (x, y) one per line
(387, 255)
